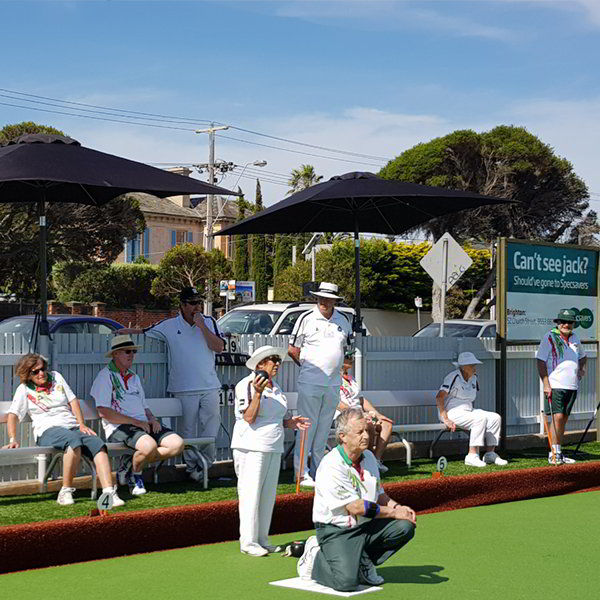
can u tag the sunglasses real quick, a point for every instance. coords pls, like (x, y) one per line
(40, 370)
(192, 302)
(130, 351)
(274, 359)
(565, 322)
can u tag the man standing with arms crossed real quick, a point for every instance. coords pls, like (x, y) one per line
(561, 364)
(317, 346)
(192, 339)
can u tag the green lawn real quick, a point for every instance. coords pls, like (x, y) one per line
(530, 550)
(43, 507)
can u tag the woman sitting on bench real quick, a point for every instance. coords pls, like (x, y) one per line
(455, 404)
(58, 422)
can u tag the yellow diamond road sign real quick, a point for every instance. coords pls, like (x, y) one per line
(458, 261)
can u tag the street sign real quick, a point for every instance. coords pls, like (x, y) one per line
(458, 261)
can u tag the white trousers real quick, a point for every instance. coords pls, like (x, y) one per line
(201, 417)
(258, 474)
(318, 403)
(484, 426)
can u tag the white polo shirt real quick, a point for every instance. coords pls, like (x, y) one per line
(460, 392)
(191, 361)
(266, 433)
(562, 360)
(338, 483)
(47, 408)
(322, 342)
(110, 390)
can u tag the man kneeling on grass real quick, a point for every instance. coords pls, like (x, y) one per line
(126, 418)
(357, 524)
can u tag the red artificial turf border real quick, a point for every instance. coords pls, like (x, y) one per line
(65, 541)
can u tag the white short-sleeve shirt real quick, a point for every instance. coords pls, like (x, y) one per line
(46, 408)
(349, 394)
(266, 433)
(191, 361)
(338, 483)
(110, 390)
(461, 393)
(562, 359)
(322, 342)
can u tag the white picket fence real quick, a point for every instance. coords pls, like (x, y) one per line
(385, 363)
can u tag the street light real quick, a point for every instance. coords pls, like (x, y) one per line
(256, 163)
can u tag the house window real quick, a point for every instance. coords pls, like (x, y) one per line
(179, 236)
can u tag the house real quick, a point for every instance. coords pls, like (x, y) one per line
(176, 220)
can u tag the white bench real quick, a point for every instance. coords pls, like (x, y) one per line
(47, 457)
(395, 399)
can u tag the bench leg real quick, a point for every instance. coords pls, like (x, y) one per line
(42, 464)
(156, 468)
(408, 453)
(92, 467)
(49, 470)
(435, 441)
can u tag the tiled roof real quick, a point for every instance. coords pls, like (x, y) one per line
(229, 212)
(162, 206)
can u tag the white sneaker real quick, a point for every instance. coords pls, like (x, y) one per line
(491, 458)
(308, 481)
(473, 460)
(254, 550)
(382, 467)
(307, 560)
(555, 460)
(136, 487)
(65, 496)
(272, 549)
(566, 460)
(116, 500)
(367, 574)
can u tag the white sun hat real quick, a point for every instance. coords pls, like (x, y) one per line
(466, 358)
(121, 342)
(327, 290)
(263, 352)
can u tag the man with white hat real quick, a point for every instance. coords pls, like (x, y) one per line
(317, 345)
(126, 418)
(455, 405)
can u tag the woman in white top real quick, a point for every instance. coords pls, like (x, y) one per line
(257, 442)
(58, 422)
(455, 405)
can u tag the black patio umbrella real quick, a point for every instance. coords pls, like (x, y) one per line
(359, 202)
(44, 168)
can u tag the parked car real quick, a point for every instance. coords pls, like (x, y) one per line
(476, 328)
(61, 324)
(276, 318)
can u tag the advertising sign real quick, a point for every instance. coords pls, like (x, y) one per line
(245, 290)
(541, 279)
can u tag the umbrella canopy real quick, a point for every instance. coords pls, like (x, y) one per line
(359, 202)
(66, 171)
(44, 168)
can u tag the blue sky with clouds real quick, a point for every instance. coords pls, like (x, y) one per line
(367, 77)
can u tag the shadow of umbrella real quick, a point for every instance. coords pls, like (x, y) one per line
(359, 202)
(424, 574)
(41, 168)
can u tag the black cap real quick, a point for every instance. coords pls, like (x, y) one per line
(189, 293)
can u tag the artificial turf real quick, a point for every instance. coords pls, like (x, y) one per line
(16, 510)
(534, 549)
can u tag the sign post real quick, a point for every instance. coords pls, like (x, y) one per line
(445, 263)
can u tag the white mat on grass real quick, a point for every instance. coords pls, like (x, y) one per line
(312, 586)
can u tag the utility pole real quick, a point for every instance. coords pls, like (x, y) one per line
(209, 204)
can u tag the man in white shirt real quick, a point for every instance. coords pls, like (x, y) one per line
(561, 362)
(357, 524)
(317, 346)
(193, 339)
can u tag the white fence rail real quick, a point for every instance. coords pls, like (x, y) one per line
(387, 363)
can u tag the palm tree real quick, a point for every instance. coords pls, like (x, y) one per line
(303, 178)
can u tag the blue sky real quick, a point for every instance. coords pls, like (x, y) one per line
(366, 77)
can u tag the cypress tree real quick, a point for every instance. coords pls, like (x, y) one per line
(241, 259)
(258, 270)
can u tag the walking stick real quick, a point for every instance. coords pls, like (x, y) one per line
(300, 473)
(586, 430)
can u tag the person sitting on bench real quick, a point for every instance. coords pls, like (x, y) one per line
(455, 405)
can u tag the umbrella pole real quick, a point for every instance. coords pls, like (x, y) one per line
(43, 323)
(358, 320)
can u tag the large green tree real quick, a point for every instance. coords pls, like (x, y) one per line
(507, 162)
(241, 259)
(75, 232)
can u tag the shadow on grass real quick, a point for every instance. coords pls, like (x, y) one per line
(427, 574)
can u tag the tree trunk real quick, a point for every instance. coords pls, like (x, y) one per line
(470, 313)
(436, 303)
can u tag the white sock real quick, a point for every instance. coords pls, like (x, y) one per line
(137, 473)
(108, 490)
(558, 448)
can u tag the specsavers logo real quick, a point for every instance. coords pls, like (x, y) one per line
(584, 318)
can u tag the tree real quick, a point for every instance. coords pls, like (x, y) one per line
(75, 232)
(241, 260)
(507, 162)
(283, 253)
(303, 178)
(258, 269)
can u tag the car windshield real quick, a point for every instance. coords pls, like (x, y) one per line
(248, 321)
(22, 326)
(450, 330)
